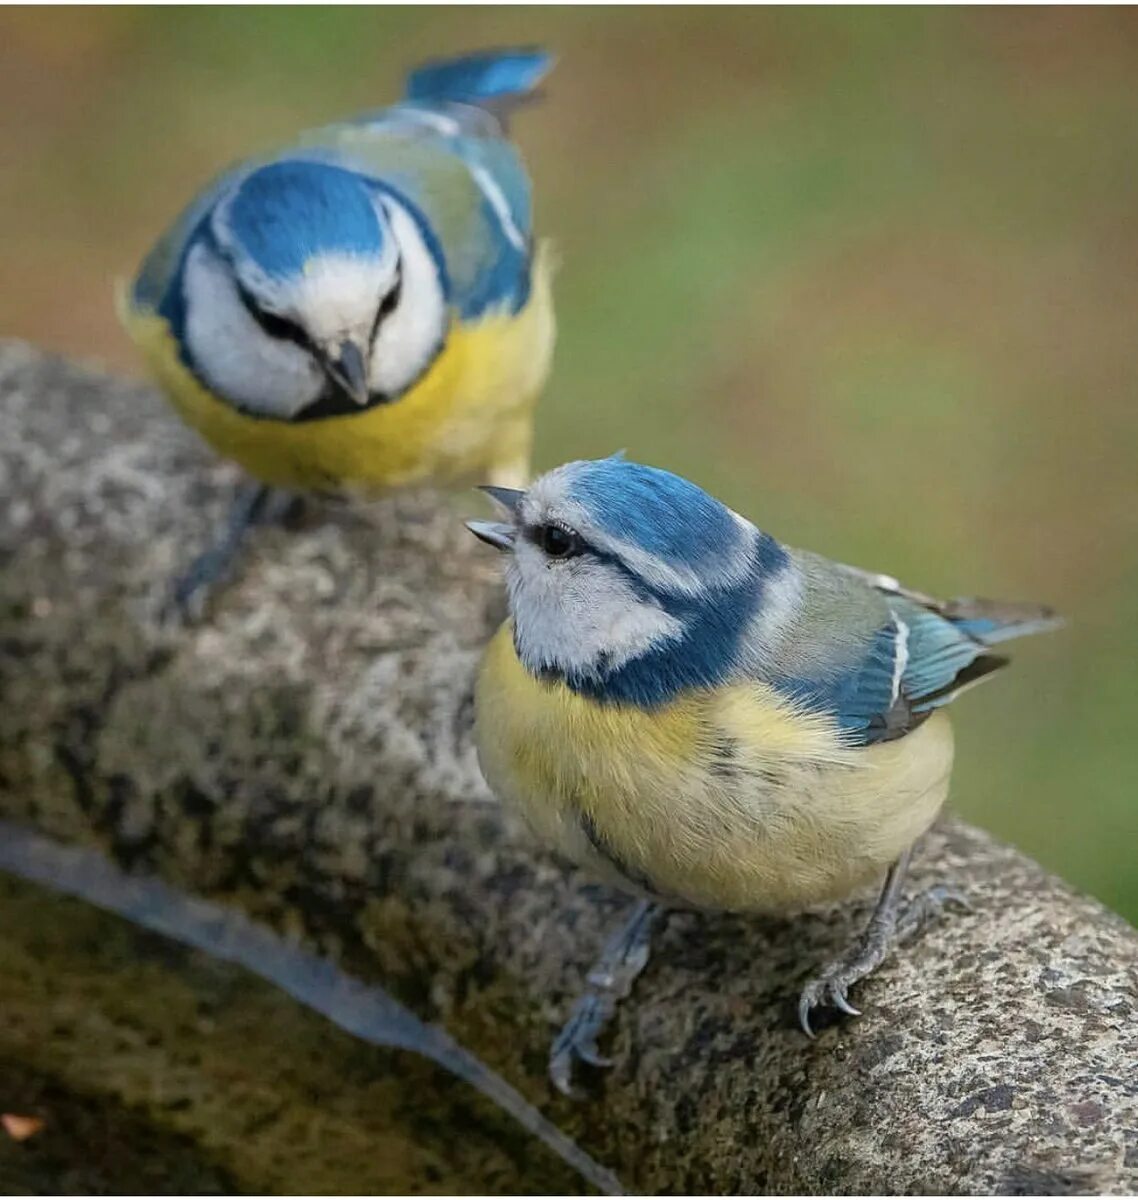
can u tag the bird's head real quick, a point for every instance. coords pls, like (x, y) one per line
(313, 291)
(627, 581)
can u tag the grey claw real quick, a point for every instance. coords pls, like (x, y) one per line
(838, 998)
(591, 1054)
(927, 907)
(610, 981)
(828, 989)
(560, 1075)
(578, 1042)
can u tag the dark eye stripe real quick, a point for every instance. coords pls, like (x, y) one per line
(278, 328)
(390, 302)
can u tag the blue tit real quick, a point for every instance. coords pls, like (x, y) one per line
(706, 717)
(364, 309)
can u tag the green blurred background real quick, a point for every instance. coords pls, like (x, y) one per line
(869, 274)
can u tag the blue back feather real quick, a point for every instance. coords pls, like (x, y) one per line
(938, 651)
(859, 696)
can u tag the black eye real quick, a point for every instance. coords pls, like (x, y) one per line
(559, 542)
(280, 328)
(388, 304)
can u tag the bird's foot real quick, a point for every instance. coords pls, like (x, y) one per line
(892, 922)
(610, 981)
(831, 985)
(190, 594)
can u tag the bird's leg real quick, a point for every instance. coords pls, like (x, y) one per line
(610, 981)
(254, 502)
(891, 922)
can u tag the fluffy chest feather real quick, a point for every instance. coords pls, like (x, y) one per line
(725, 798)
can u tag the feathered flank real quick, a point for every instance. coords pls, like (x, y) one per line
(497, 79)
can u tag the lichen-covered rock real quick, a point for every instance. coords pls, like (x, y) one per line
(305, 755)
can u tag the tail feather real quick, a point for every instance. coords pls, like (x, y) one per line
(494, 79)
(993, 621)
(986, 621)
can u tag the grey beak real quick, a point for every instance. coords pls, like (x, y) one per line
(508, 498)
(349, 370)
(493, 533)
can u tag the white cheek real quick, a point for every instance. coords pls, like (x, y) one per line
(576, 616)
(237, 359)
(410, 337)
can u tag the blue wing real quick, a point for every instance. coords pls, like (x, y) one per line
(921, 655)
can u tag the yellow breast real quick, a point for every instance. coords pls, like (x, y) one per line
(470, 415)
(722, 799)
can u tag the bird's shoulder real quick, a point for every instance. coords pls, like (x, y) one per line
(875, 657)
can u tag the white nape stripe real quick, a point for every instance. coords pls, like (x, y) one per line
(900, 656)
(781, 603)
(498, 203)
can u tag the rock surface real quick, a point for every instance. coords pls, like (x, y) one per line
(304, 755)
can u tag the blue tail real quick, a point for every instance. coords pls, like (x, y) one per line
(489, 78)
(993, 621)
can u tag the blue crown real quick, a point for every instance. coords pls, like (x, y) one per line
(661, 513)
(284, 214)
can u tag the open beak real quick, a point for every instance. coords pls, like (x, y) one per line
(493, 533)
(499, 534)
(348, 368)
(508, 498)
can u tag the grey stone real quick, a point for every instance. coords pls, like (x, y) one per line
(305, 756)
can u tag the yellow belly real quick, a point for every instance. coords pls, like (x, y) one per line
(722, 799)
(470, 415)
